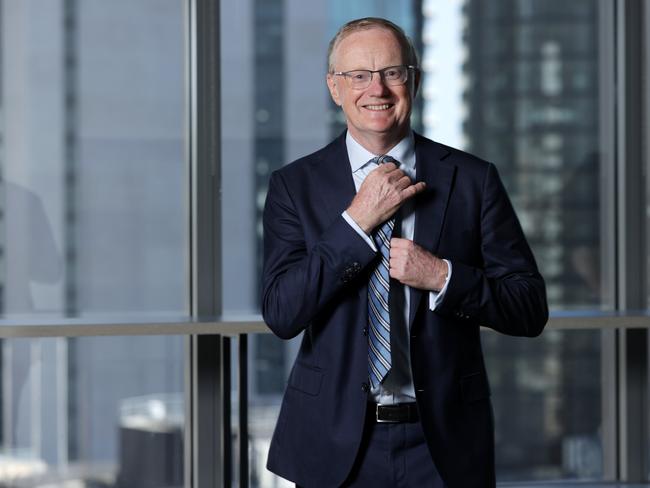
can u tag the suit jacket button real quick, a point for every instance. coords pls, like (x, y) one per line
(365, 388)
(365, 331)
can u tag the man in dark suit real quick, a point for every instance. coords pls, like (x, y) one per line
(390, 251)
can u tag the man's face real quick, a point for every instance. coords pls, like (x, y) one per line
(380, 111)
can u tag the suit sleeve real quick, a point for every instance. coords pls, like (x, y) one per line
(299, 283)
(507, 293)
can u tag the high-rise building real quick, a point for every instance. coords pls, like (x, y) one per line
(94, 213)
(532, 100)
(532, 105)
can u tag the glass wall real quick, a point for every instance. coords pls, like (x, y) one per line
(94, 178)
(532, 99)
(94, 213)
(101, 412)
(513, 81)
(93, 224)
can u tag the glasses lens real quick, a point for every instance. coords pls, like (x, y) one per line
(395, 75)
(360, 78)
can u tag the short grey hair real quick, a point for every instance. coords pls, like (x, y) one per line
(367, 23)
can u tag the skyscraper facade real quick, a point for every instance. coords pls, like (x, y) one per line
(532, 103)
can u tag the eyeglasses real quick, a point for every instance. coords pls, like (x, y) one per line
(359, 79)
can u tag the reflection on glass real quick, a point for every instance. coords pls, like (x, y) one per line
(532, 102)
(92, 220)
(267, 380)
(107, 412)
(30, 251)
(532, 109)
(93, 179)
(547, 405)
(513, 82)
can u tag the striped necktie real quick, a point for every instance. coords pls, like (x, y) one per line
(379, 357)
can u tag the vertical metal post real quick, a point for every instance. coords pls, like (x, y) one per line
(608, 266)
(243, 411)
(206, 464)
(645, 162)
(206, 383)
(226, 412)
(636, 367)
(631, 240)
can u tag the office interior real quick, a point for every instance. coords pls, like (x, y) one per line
(137, 138)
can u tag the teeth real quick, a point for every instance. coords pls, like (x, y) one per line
(385, 106)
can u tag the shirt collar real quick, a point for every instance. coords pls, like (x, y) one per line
(403, 151)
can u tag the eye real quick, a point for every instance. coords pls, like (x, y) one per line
(392, 73)
(358, 75)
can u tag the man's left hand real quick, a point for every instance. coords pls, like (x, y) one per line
(416, 267)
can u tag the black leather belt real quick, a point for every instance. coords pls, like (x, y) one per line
(400, 412)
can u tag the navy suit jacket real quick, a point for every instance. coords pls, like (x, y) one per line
(315, 279)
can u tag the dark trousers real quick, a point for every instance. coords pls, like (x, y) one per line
(393, 456)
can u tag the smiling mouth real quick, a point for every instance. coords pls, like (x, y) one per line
(379, 108)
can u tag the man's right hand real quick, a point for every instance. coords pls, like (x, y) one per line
(381, 194)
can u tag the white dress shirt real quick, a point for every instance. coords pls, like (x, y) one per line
(398, 385)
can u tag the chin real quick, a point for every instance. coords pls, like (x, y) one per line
(384, 126)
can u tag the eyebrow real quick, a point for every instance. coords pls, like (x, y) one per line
(368, 69)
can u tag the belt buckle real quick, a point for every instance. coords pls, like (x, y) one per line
(383, 421)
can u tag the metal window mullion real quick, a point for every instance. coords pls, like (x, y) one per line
(587, 320)
(204, 467)
(631, 259)
(243, 411)
(226, 412)
(607, 191)
(206, 389)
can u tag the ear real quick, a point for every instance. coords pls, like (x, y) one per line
(334, 89)
(416, 82)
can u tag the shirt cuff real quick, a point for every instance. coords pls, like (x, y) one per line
(435, 297)
(359, 230)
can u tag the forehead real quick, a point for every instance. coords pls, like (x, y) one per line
(368, 49)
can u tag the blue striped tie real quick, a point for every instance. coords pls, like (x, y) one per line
(379, 358)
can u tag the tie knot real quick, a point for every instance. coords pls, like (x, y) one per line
(384, 158)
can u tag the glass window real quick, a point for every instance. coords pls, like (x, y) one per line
(516, 83)
(92, 412)
(94, 195)
(546, 148)
(547, 397)
(93, 222)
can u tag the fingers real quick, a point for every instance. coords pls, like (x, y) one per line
(399, 243)
(403, 182)
(400, 250)
(393, 272)
(412, 190)
(390, 172)
(384, 168)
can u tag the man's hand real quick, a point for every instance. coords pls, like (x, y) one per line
(416, 267)
(381, 194)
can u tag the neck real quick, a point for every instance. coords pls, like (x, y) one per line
(381, 143)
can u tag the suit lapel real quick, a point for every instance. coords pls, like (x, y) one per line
(431, 204)
(333, 176)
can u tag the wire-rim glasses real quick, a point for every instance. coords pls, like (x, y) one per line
(359, 79)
